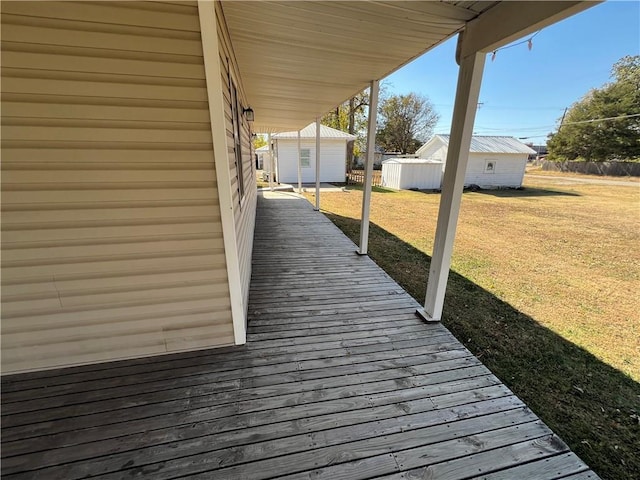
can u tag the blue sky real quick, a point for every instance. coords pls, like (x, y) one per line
(525, 92)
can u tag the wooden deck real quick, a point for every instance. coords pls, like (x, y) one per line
(339, 380)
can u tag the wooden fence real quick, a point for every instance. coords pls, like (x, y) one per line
(356, 177)
(617, 169)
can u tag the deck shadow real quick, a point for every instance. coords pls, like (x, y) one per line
(502, 193)
(526, 192)
(591, 405)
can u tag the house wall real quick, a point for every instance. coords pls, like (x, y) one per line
(509, 170)
(244, 200)
(112, 242)
(435, 151)
(333, 157)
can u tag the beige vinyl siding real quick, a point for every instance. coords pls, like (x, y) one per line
(111, 234)
(244, 208)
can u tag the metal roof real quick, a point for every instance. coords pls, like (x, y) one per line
(411, 160)
(310, 132)
(489, 144)
(299, 59)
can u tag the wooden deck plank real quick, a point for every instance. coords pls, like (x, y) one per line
(219, 405)
(559, 466)
(339, 380)
(246, 367)
(250, 377)
(226, 447)
(65, 410)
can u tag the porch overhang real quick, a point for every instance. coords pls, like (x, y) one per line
(299, 59)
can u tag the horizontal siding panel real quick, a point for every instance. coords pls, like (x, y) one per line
(43, 61)
(104, 134)
(17, 177)
(112, 284)
(134, 263)
(10, 72)
(84, 316)
(101, 112)
(208, 290)
(15, 219)
(90, 197)
(120, 231)
(97, 89)
(91, 39)
(86, 156)
(106, 12)
(198, 321)
(102, 53)
(53, 255)
(111, 234)
(111, 300)
(99, 101)
(123, 347)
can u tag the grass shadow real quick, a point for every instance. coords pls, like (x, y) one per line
(503, 193)
(591, 405)
(527, 192)
(375, 189)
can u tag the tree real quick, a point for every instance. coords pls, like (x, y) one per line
(406, 122)
(259, 141)
(350, 117)
(588, 130)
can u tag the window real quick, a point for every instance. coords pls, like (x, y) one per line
(305, 157)
(490, 166)
(237, 142)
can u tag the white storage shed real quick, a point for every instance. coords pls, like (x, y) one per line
(406, 173)
(333, 154)
(494, 161)
(262, 157)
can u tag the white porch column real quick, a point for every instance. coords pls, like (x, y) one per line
(270, 162)
(299, 165)
(368, 176)
(464, 112)
(317, 207)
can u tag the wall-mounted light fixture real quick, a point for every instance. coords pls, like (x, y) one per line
(248, 114)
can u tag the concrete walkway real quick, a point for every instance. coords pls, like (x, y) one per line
(307, 187)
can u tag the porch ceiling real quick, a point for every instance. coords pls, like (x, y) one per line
(299, 59)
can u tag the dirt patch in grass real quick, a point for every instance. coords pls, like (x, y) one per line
(543, 290)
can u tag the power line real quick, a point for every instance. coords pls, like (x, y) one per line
(544, 127)
(619, 117)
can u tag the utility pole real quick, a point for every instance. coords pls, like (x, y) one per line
(562, 119)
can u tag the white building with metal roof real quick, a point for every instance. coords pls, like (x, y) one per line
(494, 161)
(333, 155)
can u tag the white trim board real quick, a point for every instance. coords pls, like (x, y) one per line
(209, 36)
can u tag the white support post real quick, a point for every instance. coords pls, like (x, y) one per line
(464, 112)
(299, 164)
(317, 207)
(368, 176)
(270, 162)
(213, 77)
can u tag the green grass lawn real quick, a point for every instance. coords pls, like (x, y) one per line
(543, 290)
